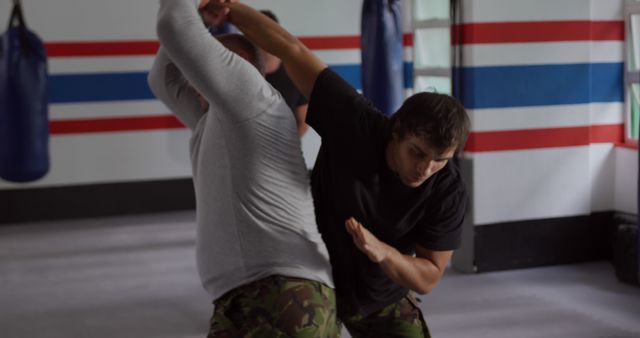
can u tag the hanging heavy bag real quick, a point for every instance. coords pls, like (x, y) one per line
(24, 125)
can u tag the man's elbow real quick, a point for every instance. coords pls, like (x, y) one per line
(424, 287)
(423, 290)
(166, 28)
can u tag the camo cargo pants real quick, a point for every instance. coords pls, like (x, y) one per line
(274, 307)
(402, 319)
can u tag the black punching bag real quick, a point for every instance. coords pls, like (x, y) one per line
(24, 124)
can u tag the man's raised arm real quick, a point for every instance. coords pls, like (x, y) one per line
(302, 66)
(170, 87)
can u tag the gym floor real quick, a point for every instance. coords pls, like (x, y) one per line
(135, 277)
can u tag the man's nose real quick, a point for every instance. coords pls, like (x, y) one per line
(426, 167)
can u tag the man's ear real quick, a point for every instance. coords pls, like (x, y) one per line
(243, 54)
(395, 136)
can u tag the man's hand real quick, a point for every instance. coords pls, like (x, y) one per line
(371, 246)
(214, 12)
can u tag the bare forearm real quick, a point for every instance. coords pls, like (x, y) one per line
(420, 273)
(302, 66)
(261, 30)
(417, 274)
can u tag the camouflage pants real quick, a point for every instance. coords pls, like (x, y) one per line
(276, 306)
(401, 319)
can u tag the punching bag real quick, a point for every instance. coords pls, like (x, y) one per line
(24, 125)
(382, 50)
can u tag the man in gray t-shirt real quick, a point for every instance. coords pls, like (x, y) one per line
(259, 253)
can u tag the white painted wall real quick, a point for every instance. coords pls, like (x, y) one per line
(547, 182)
(530, 184)
(508, 185)
(160, 154)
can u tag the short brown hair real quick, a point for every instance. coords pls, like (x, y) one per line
(235, 41)
(440, 120)
(270, 14)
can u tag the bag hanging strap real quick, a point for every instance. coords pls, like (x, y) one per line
(17, 19)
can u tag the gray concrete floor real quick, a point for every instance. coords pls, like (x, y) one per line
(135, 277)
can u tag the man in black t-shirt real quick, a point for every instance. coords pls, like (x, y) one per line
(389, 202)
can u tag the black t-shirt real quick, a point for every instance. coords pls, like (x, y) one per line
(351, 178)
(291, 95)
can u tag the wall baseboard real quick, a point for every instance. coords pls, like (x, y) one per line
(96, 200)
(525, 244)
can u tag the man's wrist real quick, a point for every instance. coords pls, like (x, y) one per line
(387, 253)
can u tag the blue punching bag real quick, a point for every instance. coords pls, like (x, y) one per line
(382, 50)
(24, 125)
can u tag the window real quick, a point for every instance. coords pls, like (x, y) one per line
(632, 70)
(432, 52)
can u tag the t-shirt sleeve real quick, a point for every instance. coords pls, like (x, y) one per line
(335, 107)
(301, 101)
(441, 227)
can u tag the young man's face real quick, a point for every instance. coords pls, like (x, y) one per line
(414, 160)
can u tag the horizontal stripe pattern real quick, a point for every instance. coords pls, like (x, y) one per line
(73, 111)
(544, 138)
(150, 47)
(103, 48)
(538, 31)
(521, 85)
(542, 53)
(541, 74)
(527, 10)
(539, 85)
(66, 88)
(102, 64)
(536, 117)
(102, 87)
(88, 73)
(121, 124)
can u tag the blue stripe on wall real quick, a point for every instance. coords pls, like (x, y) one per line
(98, 87)
(67, 88)
(353, 74)
(539, 85)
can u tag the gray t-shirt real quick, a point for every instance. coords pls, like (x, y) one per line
(254, 208)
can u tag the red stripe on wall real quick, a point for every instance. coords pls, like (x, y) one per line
(331, 42)
(137, 48)
(82, 126)
(544, 138)
(478, 141)
(612, 133)
(105, 48)
(538, 31)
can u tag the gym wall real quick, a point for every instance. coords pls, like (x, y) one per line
(114, 148)
(543, 82)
